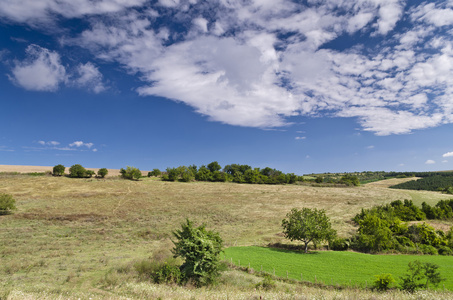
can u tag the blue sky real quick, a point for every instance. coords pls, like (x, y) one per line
(300, 86)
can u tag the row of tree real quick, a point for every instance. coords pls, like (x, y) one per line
(236, 173)
(77, 171)
(430, 183)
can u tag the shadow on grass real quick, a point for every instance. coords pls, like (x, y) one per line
(284, 248)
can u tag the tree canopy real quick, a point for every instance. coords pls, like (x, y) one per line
(308, 225)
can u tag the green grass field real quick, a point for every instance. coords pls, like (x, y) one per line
(332, 267)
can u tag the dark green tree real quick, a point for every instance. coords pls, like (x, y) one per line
(103, 172)
(77, 171)
(214, 166)
(200, 249)
(308, 225)
(154, 172)
(58, 170)
(131, 173)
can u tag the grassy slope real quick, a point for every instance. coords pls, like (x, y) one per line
(69, 233)
(329, 267)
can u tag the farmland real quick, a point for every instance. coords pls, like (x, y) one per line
(80, 237)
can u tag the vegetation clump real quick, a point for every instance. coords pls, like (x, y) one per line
(420, 275)
(58, 170)
(77, 171)
(383, 282)
(102, 172)
(131, 173)
(7, 204)
(200, 249)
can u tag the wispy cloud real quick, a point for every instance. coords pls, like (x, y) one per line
(300, 137)
(79, 144)
(430, 162)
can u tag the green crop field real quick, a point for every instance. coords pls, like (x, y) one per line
(332, 267)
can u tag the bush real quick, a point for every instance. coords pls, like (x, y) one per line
(444, 250)
(200, 249)
(383, 282)
(428, 249)
(131, 173)
(58, 170)
(7, 204)
(339, 244)
(159, 272)
(267, 283)
(90, 173)
(77, 171)
(103, 172)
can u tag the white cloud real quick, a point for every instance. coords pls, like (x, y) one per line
(260, 62)
(300, 137)
(37, 13)
(49, 143)
(79, 144)
(40, 71)
(430, 162)
(88, 76)
(370, 147)
(448, 154)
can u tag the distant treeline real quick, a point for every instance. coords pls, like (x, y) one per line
(236, 173)
(370, 176)
(430, 183)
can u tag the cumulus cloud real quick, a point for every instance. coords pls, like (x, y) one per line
(260, 63)
(40, 71)
(448, 154)
(430, 162)
(88, 76)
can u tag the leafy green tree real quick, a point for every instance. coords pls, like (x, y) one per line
(7, 204)
(154, 172)
(374, 234)
(131, 173)
(203, 174)
(308, 225)
(349, 179)
(58, 170)
(103, 172)
(214, 166)
(200, 249)
(90, 173)
(319, 179)
(420, 275)
(77, 171)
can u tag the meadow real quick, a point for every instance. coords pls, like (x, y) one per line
(331, 267)
(79, 238)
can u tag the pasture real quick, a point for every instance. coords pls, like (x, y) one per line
(331, 267)
(74, 238)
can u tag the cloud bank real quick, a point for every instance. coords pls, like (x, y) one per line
(258, 63)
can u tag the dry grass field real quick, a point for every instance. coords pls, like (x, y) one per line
(70, 238)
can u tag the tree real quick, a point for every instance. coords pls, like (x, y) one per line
(7, 204)
(154, 172)
(200, 249)
(419, 275)
(103, 172)
(89, 173)
(58, 170)
(214, 166)
(308, 225)
(77, 171)
(131, 173)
